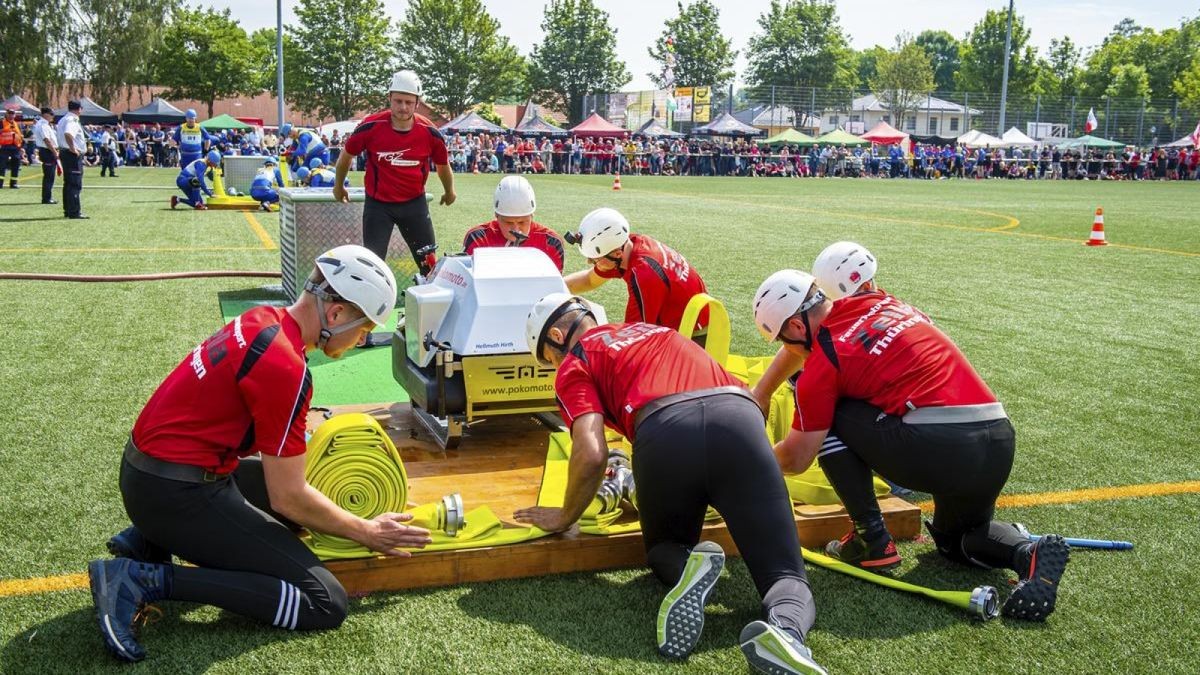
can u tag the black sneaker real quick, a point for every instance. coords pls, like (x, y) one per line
(1034, 596)
(852, 549)
(129, 543)
(119, 589)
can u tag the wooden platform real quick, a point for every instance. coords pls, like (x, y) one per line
(499, 463)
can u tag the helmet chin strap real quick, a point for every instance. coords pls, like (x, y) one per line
(584, 313)
(321, 292)
(812, 302)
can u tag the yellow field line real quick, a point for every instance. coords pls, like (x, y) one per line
(189, 249)
(1089, 495)
(265, 238)
(70, 582)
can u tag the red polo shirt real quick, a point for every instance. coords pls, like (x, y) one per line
(661, 283)
(540, 237)
(397, 161)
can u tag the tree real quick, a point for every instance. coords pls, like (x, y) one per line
(943, 50)
(577, 57)
(702, 54)
(1187, 87)
(262, 42)
(904, 78)
(457, 49)
(112, 42)
(30, 38)
(867, 65)
(339, 58)
(1129, 81)
(1062, 68)
(206, 56)
(801, 44)
(982, 66)
(1164, 56)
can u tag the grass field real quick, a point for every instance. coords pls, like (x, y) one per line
(1091, 351)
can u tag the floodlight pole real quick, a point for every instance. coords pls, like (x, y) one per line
(1004, 81)
(279, 59)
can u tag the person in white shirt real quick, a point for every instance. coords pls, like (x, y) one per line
(46, 140)
(72, 144)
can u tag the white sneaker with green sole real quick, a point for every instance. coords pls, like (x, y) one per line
(772, 651)
(681, 614)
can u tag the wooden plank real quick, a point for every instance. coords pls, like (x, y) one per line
(499, 463)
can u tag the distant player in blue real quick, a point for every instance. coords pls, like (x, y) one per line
(306, 145)
(191, 181)
(262, 188)
(302, 175)
(321, 176)
(193, 141)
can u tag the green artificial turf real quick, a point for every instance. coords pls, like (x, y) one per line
(1089, 349)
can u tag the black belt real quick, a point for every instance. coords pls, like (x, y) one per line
(186, 473)
(646, 411)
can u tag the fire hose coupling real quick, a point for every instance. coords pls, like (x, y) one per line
(449, 516)
(985, 603)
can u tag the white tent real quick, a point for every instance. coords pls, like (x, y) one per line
(977, 139)
(343, 128)
(1014, 138)
(1185, 142)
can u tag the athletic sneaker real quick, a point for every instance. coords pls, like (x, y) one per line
(774, 651)
(681, 614)
(119, 589)
(878, 556)
(1034, 596)
(174, 200)
(129, 543)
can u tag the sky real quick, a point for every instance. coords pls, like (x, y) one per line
(867, 22)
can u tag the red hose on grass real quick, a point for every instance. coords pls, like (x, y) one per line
(201, 274)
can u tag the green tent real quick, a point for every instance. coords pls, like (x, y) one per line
(223, 122)
(1090, 142)
(788, 137)
(839, 137)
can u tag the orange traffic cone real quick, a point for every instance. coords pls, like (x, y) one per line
(1097, 238)
(617, 181)
(475, 170)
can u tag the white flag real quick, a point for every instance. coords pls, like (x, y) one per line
(1196, 136)
(1091, 122)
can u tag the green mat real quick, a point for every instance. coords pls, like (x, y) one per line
(360, 376)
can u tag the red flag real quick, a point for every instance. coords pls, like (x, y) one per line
(1196, 136)
(1091, 122)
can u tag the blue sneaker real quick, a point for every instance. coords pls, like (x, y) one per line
(119, 589)
(129, 543)
(681, 614)
(775, 652)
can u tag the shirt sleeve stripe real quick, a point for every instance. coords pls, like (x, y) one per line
(301, 399)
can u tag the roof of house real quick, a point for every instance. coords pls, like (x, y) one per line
(871, 103)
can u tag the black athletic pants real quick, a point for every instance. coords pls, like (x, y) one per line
(964, 466)
(246, 560)
(49, 167)
(714, 450)
(10, 160)
(412, 217)
(72, 182)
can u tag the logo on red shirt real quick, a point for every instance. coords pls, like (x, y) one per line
(395, 158)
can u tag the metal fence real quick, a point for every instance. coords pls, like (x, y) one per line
(945, 115)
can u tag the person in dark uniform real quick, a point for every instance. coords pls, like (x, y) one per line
(72, 144)
(193, 490)
(400, 144)
(906, 404)
(12, 143)
(46, 140)
(698, 439)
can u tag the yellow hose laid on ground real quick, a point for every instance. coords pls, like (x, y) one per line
(352, 461)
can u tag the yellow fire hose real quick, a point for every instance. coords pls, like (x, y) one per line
(982, 603)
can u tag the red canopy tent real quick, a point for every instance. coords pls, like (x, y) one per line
(598, 127)
(885, 134)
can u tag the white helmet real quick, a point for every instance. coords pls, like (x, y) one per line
(781, 297)
(406, 82)
(514, 197)
(601, 232)
(842, 268)
(357, 276)
(545, 313)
